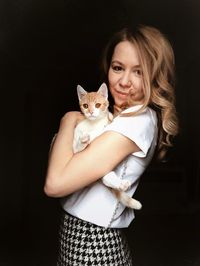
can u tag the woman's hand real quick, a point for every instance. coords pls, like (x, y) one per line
(71, 119)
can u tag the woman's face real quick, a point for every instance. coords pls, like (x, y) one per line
(125, 75)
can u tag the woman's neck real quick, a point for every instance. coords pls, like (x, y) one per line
(119, 109)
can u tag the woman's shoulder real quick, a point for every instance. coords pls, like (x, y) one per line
(142, 123)
(146, 117)
(140, 128)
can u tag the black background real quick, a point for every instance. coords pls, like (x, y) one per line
(46, 49)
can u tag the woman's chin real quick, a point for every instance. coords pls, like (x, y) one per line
(120, 104)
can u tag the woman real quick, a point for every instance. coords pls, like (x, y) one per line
(139, 70)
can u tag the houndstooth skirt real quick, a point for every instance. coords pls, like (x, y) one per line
(82, 243)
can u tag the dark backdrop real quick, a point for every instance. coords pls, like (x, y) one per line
(46, 49)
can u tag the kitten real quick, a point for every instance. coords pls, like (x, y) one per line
(94, 106)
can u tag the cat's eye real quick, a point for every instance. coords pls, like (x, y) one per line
(85, 105)
(97, 105)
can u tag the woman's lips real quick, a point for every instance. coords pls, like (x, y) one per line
(122, 94)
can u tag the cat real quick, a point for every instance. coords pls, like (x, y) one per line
(94, 106)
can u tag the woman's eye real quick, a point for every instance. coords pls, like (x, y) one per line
(117, 68)
(97, 105)
(85, 105)
(138, 72)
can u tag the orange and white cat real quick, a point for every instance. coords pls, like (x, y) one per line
(94, 106)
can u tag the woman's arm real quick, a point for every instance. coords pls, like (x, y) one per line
(68, 172)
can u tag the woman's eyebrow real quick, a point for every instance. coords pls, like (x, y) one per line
(137, 66)
(120, 63)
(117, 62)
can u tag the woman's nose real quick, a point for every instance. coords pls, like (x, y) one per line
(125, 80)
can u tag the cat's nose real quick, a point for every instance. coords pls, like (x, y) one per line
(91, 111)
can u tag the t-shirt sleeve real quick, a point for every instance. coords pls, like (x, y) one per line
(140, 129)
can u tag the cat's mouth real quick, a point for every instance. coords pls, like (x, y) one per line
(92, 117)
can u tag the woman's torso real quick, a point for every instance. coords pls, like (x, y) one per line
(96, 203)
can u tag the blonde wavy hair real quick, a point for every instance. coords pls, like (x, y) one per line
(157, 63)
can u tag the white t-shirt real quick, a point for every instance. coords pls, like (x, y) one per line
(96, 203)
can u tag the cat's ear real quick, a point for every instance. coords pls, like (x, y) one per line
(103, 90)
(81, 92)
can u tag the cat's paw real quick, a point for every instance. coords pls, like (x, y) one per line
(85, 138)
(124, 185)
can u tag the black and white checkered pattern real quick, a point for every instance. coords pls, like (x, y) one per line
(83, 244)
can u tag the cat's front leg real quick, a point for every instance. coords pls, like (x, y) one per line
(85, 138)
(113, 181)
(83, 141)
